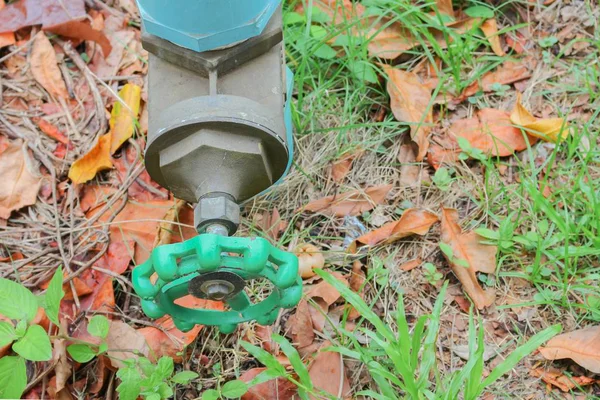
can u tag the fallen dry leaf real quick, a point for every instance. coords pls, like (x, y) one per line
(20, 178)
(328, 373)
(279, 388)
(166, 227)
(325, 291)
(271, 223)
(63, 367)
(94, 161)
(300, 325)
(556, 378)
(124, 342)
(445, 7)
(6, 38)
(81, 288)
(492, 132)
(172, 342)
(468, 258)
(490, 30)
(44, 67)
(507, 73)
(410, 265)
(341, 167)
(124, 116)
(309, 258)
(412, 222)
(549, 129)
(410, 102)
(51, 130)
(354, 202)
(581, 346)
(409, 170)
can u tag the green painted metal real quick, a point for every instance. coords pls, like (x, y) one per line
(254, 258)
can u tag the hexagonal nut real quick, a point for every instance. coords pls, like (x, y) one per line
(221, 210)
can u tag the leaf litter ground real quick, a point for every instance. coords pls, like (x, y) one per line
(470, 127)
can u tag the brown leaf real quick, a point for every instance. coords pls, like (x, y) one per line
(124, 342)
(279, 388)
(509, 72)
(63, 367)
(44, 67)
(469, 257)
(108, 65)
(549, 129)
(271, 223)
(410, 265)
(81, 30)
(412, 222)
(172, 342)
(409, 170)
(341, 167)
(410, 102)
(325, 291)
(354, 202)
(581, 346)
(490, 30)
(565, 383)
(48, 13)
(328, 373)
(20, 178)
(300, 325)
(94, 161)
(165, 228)
(445, 7)
(51, 130)
(492, 132)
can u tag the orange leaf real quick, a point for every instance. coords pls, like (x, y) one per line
(507, 73)
(173, 341)
(123, 118)
(44, 67)
(325, 291)
(548, 129)
(96, 160)
(51, 130)
(341, 167)
(300, 325)
(490, 30)
(410, 265)
(445, 7)
(581, 346)
(468, 258)
(6, 39)
(410, 102)
(354, 202)
(327, 373)
(556, 378)
(279, 388)
(492, 132)
(20, 178)
(412, 222)
(81, 288)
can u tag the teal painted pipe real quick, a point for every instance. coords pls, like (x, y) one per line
(203, 25)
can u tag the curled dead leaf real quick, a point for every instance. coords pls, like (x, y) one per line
(309, 258)
(354, 202)
(44, 67)
(581, 346)
(490, 30)
(341, 167)
(279, 388)
(300, 325)
(549, 129)
(556, 378)
(412, 222)
(410, 102)
(124, 342)
(94, 161)
(21, 180)
(271, 223)
(328, 373)
(325, 291)
(469, 257)
(507, 73)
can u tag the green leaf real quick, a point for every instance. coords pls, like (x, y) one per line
(7, 333)
(363, 71)
(487, 233)
(318, 32)
(295, 360)
(266, 358)
(81, 353)
(13, 377)
(320, 16)
(16, 301)
(129, 389)
(54, 295)
(102, 348)
(35, 345)
(480, 12)
(184, 377)
(164, 367)
(548, 41)
(210, 394)
(325, 51)
(292, 18)
(234, 389)
(146, 366)
(165, 391)
(98, 326)
(153, 396)
(447, 250)
(21, 328)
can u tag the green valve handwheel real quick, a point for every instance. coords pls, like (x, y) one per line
(217, 267)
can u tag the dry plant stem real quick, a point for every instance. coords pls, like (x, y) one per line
(41, 376)
(89, 77)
